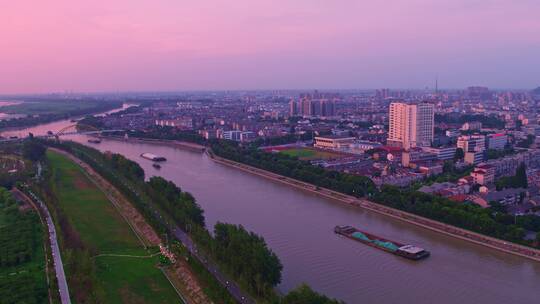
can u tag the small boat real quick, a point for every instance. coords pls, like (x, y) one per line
(153, 157)
(157, 166)
(94, 140)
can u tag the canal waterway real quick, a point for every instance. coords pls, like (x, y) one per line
(298, 226)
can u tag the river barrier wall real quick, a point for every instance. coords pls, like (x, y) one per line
(453, 231)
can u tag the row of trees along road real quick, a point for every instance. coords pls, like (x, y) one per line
(243, 254)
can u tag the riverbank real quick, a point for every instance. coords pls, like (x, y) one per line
(164, 142)
(432, 225)
(21, 123)
(184, 282)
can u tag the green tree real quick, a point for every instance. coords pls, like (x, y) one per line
(517, 181)
(459, 154)
(305, 295)
(521, 177)
(497, 207)
(448, 166)
(247, 256)
(33, 150)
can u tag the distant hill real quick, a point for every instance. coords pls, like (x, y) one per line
(536, 91)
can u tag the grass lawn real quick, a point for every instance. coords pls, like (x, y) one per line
(309, 154)
(101, 227)
(134, 280)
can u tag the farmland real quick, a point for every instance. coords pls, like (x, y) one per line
(22, 257)
(102, 253)
(48, 107)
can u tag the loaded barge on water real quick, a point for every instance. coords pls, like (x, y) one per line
(406, 251)
(153, 157)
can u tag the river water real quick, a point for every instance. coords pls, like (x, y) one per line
(298, 226)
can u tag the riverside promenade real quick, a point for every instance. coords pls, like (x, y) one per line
(467, 235)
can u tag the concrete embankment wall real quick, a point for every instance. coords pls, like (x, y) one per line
(436, 226)
(171, 143)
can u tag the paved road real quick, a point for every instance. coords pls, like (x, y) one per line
(184, 238)
(57, 258)
(232, 287)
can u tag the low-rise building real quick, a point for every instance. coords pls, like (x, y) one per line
(473, 125)
(483, 175)
(505, 197)
(508, 165)
(446, 189)
(247, 136)
(416, 155)
(531, 129)
(209, 134)
(365, 145)
(232, 135)
(474, 158)
(430, 169)
(400, 179)
(181, 122)
(443, 153)
(333, 142)
(452, 133)
(497, 141)
(472, 143)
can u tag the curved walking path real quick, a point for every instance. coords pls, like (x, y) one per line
(126, 255)
(55, 250)
(460, 233)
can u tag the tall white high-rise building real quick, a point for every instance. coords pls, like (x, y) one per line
(411, 125)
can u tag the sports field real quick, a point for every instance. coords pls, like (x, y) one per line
(133, 278)
(310, 154)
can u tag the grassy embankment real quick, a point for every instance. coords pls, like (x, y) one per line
(101, 230)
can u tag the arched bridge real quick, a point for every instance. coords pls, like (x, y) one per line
(81, 129)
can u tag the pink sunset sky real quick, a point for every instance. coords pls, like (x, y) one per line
(135, 45)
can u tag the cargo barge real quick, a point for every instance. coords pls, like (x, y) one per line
(407, 251)
(153, 157)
